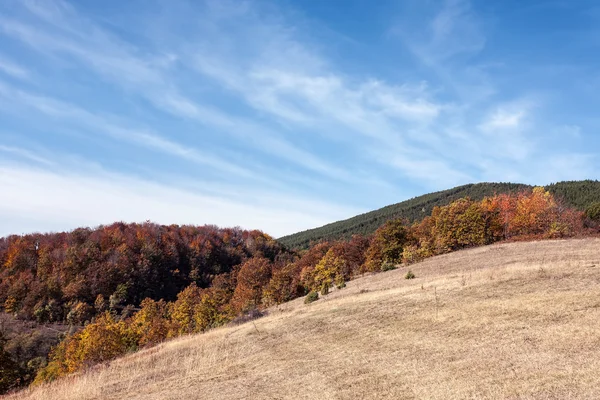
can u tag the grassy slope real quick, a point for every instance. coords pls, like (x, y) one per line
(505, 321)
(578, 194)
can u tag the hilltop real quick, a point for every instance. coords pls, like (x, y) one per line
(504, 321)
(578, 194)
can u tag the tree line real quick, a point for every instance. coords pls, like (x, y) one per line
(576, 194)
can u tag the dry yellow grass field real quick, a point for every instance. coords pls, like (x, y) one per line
(508, 321)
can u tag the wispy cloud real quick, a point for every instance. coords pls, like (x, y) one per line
(25, 154)
(103, 125)
(299, 87)
(221, 111)
(12, 69)
(511, 115)
(455, 30)
(504, 119)
(442, 40)
(148, 75)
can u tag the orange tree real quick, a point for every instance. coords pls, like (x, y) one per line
(253, 276)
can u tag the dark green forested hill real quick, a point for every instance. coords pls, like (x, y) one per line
(579, 194)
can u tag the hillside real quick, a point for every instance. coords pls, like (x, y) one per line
(127, 287)
(579, 194)
(503, 321)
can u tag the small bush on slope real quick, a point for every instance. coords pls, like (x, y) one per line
(388, 266)
(311, 297)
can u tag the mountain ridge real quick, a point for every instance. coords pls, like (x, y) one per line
(578, 194)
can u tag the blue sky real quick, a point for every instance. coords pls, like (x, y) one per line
(285, 115)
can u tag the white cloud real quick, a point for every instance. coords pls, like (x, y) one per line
(501, 119)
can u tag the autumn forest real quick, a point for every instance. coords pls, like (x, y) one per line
(73, 300)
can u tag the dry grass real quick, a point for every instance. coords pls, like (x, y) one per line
(511, 321)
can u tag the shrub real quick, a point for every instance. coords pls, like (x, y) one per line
(311, 297)
(388, 266)
(409, 275)
(340, 283)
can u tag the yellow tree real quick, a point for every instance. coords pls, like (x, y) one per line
(151, 322)
(182, 314)
(102, 340)
(327, 272)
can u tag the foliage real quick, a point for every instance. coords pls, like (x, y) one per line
(118, 299)
(308, 261)
(537, 214)
(252, 277)
(104, 339)
(77, 275)
(463, 223)
(183, 311)
(80, 313)
(328, 271)
(387, 245)
(27, 344)
(10, 305)
(409, 275)
(10, 372)
(339, 281)
(283, 286)
(388, 266)
(576, 194)
(311, 297)
(151, 323)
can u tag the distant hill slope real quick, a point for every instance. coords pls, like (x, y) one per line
(577, 194)
(508, 321)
